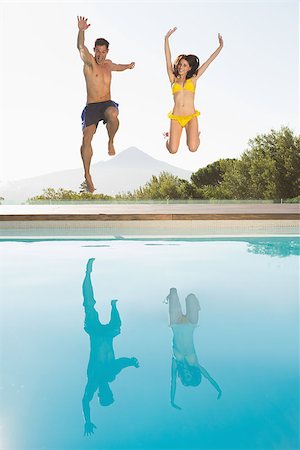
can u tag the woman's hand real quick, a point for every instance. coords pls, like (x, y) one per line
(220, 40)
(170, 32)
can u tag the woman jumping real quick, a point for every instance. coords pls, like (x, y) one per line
(185, 364)
(183, 76)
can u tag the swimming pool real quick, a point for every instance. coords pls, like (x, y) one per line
(246, 342)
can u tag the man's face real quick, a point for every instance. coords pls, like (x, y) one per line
(100, 53)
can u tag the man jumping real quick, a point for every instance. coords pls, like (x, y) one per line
(99, 107)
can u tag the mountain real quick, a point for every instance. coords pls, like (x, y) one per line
(127, 171)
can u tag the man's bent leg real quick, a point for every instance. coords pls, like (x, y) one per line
(87, 153)
(112, 125)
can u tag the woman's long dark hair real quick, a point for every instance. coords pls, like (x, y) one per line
(194, 374)
(193, 61)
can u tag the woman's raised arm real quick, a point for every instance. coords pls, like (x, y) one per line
(205, 65)
(168, 55)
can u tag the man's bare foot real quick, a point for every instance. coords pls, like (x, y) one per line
(89, 184)
(111, 149)
(89, 266)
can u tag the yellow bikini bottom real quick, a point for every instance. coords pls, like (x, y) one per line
(183, 120)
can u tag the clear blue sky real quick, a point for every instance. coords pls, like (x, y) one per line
(250, 88)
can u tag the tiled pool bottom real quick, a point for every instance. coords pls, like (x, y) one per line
(154, 228)
(246, 340)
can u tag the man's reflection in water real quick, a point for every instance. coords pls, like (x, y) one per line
(185, 363)
(103, 366)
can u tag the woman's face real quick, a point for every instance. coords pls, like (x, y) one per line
(183, 67)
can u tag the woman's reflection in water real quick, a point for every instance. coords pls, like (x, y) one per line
(185, 363)
(103, 366)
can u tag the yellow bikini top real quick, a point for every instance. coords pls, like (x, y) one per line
(188, 86)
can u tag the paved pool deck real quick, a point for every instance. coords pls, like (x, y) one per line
(141, 212)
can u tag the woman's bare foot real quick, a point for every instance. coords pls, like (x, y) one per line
(166, 135)
(111, 149)
(172, 293)
(192, 298)
(167, 146)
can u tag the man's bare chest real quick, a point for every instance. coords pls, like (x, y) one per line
(98, 76)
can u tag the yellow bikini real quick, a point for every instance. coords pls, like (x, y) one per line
(188, 86)
(183, 120)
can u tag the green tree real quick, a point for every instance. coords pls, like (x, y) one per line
(207, 181)
(269, 169)
(164, 187)
(212, 174)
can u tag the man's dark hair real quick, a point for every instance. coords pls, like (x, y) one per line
(101, 41)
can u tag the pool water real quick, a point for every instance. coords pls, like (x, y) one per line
(245, 338)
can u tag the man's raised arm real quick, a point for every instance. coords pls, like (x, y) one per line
(121, 67)
(89, 392)
(84, 53)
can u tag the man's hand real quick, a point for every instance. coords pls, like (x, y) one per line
(82, 23)
(89, 428)
(170, 32)
(135, 362)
